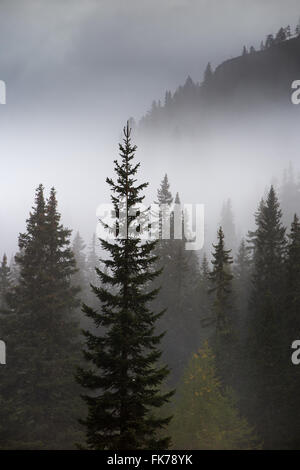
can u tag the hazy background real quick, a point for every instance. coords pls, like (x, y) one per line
(75, 70)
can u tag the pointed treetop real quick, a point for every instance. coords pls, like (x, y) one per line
(164, 195)
(177, 199)
(208, 74)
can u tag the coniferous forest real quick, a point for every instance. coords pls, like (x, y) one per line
(151, 346)
(120, 341)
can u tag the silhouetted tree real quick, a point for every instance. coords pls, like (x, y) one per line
(124, 378)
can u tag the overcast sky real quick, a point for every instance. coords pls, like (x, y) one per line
(75, 70)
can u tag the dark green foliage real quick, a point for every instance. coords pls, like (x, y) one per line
(222, 309)
(202, 293)
(242, 286)
(206, 416)
(221, 280)
(124, 377)
(37, 385)
(290, 333)
(178, 289)
(266, 323)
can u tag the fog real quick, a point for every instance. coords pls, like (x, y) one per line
(76, 70)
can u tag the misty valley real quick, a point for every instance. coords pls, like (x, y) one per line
(186, 339)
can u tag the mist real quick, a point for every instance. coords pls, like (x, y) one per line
(76, 71)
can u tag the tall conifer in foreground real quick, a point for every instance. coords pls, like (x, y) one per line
(123, 379)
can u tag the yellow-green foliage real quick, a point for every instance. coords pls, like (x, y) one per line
(205, 416)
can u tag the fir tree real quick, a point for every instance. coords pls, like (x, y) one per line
(221, 279)
(293, 276)
(266, 321)
(242, 276)
(168, 99)
(292, 325)
(287, 31)
(222, 308)
(269, 41)
(164, 195)
(242, 288)
(203, 293)
(280, 36)
(206, 416)
(179, 282)
(39, 387)
(124, 378)
(208, 74)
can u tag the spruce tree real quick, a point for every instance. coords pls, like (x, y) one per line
(38, 386)
(222, 308)
(178, 291)
(291, 327)
(242, 285)
(164, 195)
(221, 280)
(265, 346)
(203, 296)
(208, 74)
(124, 377)
(206, 416)
(280, 36)
(269, 41)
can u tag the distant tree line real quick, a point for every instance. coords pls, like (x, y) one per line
(155, 317)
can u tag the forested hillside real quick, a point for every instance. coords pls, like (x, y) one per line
(259, 79)
(128, 343)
